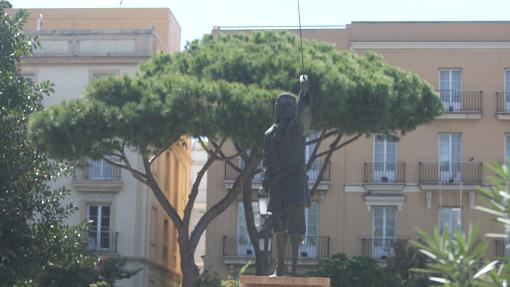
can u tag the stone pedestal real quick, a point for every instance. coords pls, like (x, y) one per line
(265, 281)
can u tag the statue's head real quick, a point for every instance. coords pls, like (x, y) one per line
(285, 107)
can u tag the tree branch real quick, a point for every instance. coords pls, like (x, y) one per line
(248, 213)
(153, 158)
(135, 172)
(324, 135)
(194, 193)
(318, 142)
(329, 153)
(337, 147)
(204, 146)
(221, 205)
(163, 201)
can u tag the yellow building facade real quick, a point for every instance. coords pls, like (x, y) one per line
(376, 189)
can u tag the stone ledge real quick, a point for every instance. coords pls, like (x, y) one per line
(265, 281)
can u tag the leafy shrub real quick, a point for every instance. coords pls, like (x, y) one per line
(355, 272)
(405, 258)
(208, 279)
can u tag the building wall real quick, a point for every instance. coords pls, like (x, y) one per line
(82, 45)
(482, 51)
(161, 19)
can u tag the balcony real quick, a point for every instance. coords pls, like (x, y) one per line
(238, 250)
(384, 175)
(461, 104)
(503, 105)
(450, 173)
(231, 174)
(103, 243)
(501, 248)
(378, 248)
(96, 175)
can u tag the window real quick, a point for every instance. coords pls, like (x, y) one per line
(244, 246)
(314, 171)
(100, 170)
(383, 231)
(450, 158)
(451, 219)
(450, 89)
(385, 159)
(507, 90)
(99, 227)
(309, 247)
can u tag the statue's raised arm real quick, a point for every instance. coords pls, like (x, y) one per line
(304, 110)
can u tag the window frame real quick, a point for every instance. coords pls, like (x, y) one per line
(451, 103)
(447, 175)
(387, 241)
(98, 231)
(378, 174)
(450, 226)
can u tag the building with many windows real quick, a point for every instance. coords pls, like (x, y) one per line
(79, 46)
(380, 188)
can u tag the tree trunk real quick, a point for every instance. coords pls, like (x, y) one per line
(260, 259)
(190, 272)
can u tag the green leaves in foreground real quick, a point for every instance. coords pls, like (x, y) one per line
(497, 195)
(459, 261)
(455, 260)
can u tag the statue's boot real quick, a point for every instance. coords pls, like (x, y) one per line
(295, 241)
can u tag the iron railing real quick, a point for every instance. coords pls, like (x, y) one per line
(448, 172)
(378, 248)
(503, 102)
(384, 172)
(105, 242)
(461, 101)
(501, 247)
(96, 170)
(231, 173)
(312, 247)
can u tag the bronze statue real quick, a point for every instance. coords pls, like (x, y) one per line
(285, 171)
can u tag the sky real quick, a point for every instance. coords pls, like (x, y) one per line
(197, 17)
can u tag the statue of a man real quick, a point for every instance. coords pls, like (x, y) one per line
(285, 175)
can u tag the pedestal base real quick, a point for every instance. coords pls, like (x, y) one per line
(265, 281)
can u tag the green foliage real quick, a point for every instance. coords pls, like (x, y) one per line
(355, 272)
(208, 279)
(458, 261)
(225, 85)
(497, 196)
(36, 248)
(405, 258)
(455, 260)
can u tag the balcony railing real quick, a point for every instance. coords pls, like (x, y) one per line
(461, 101)
(384, 172)
(378, 248)
(96, 170)
(503, 102)
(502, 247)
(447, 172)
(312, 247)
(231, 173)
(106, 242)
